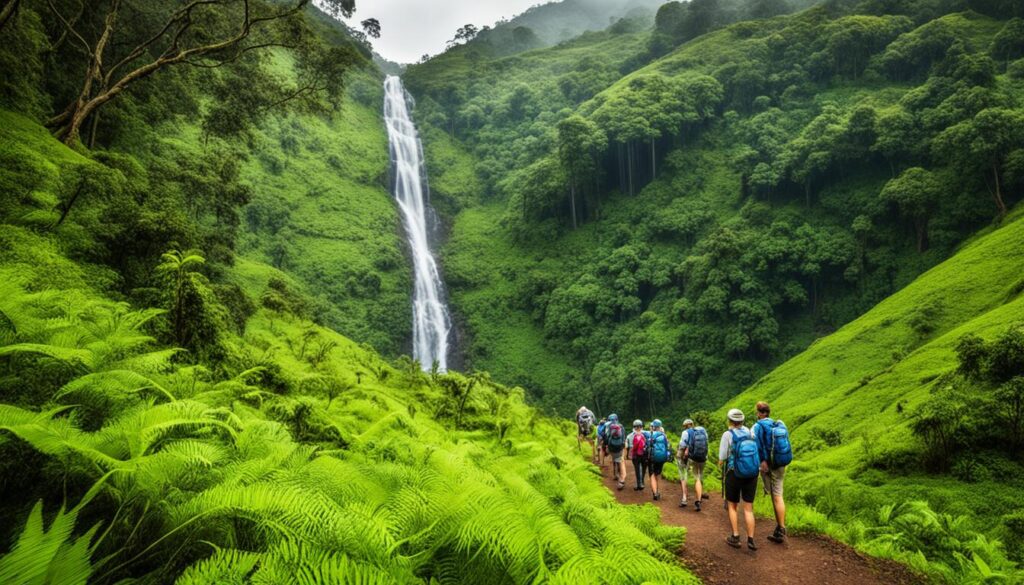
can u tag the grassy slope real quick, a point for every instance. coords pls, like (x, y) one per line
(854, 382)
(342, 233)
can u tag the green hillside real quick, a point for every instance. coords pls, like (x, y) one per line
(744, 194)
(206, 293)
(855, 401)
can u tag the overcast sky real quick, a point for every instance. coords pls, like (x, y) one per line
(410, 28)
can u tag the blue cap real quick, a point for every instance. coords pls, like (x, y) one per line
(613, 417)
(656, 422)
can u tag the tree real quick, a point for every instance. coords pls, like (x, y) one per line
(199, 33)
(982, 144)
(580, 142)
(464, 33)
(371, 26)
(177, 265)
(916, 194)
(1008, 44)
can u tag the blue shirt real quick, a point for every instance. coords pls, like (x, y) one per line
(762, 434)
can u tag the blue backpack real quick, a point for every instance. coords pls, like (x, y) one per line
(780, 451)
(659, 447)
(744, 460)
(697, 444)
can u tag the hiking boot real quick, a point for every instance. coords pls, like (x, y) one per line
(682, 503)
(750, 543)
(779, 536)
(696, 506)
(733, 540)
(656, 496)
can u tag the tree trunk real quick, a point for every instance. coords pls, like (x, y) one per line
(8, 12)
(572, 201)
(1000, 204)
(653, 170)
(67, 206)
(629, 163)
(92, 131)
(921, 226)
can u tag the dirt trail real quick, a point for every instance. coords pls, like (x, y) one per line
(803, 560)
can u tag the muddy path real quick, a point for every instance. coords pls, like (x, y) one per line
(802, 560)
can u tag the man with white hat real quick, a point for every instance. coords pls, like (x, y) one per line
(740, 459)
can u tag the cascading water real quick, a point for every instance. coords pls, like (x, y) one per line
(431, 321)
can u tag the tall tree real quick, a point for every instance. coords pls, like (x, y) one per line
(916, 194)
(201, 33)
(580, 142)
(982, 144)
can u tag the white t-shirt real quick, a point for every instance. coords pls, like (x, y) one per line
(726, 444)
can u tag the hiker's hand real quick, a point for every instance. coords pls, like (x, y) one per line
(764, 467)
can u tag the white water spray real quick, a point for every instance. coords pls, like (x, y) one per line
(431, 321)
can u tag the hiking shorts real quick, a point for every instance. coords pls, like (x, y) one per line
(656, 467)
(697, 467)
(772, 480)
(617, 455)
(736, 488)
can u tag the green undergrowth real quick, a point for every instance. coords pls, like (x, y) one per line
(321, 212)
(305, 458)
(851, 401)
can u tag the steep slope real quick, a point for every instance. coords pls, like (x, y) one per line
(291, 454)
(855, 401)
(733, 209)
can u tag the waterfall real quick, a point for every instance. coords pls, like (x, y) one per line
(431, 321)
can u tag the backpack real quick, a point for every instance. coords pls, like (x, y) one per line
(659, 447)
(639, 445)
(586, 422)
(616, 437)
(697, 444)
(780, 451)
(744, 460)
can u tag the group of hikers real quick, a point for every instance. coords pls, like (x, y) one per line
(744, 454)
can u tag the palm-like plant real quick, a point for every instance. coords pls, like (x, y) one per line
(176, 266)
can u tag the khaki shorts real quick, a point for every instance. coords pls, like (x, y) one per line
(772, 480)
(617, 456)
(684, 470)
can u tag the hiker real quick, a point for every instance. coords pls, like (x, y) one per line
(602, 449)
(691, 454)
(659, 450)
(585, 424)
(636, 443)
(739, 455)
(615, 440)
(776, 453)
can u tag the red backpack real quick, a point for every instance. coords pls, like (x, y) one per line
(639, 445)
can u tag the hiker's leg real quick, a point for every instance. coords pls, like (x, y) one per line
(780, 510)
(748, 516)
(698, 479)
(748, 492)
(683, 477)
(733, 520)
(778, 475)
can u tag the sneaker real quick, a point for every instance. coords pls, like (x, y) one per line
(696, 506)
(682, 503)
(705, 497)
(750, 543)
(733, 540)
(621, 486)
(779, 536)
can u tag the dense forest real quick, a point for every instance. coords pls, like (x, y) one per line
(683, 224)
(664, 209)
